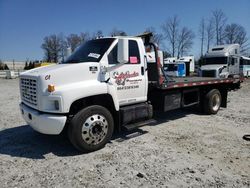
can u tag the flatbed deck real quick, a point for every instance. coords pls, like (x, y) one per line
(179, 82)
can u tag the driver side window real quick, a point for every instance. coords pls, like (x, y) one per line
(134, 54)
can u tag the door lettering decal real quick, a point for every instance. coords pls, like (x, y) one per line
(126, 80)
(122, 78)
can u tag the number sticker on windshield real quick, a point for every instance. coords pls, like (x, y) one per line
(94, 55)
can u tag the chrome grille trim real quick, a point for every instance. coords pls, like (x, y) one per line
(28, 87)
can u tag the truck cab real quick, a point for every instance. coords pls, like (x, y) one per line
(109, 72)
(221, 62)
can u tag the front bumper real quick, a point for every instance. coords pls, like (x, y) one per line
(43, 123)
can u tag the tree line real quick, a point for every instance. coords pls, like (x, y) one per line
(54, 46)
(3, 66)
(176, 40)
(216, 30)
(30, 64)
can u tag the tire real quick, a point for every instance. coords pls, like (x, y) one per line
(212, 102)
(91, 128)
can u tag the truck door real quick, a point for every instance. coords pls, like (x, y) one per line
(129, 79)
(234, 65)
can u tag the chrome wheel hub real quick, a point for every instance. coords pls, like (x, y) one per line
(94, 129)
(216, 102)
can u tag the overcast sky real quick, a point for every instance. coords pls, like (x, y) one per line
(24, 23)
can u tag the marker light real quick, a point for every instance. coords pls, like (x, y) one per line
(51, 88)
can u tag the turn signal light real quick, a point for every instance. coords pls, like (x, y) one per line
(51, 88)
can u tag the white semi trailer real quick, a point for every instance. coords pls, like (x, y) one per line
(107, 84)
(221, 61)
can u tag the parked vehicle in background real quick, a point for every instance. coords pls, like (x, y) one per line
(221, 61)
(245, 66)
(175, 69)
(42, 64)
(170, 60)
(187, 60)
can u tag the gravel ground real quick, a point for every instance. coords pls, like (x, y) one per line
(184, 149)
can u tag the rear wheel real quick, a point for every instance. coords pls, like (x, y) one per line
(91, 128)
(212, 102)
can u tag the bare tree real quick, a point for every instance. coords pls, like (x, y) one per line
(116, 32)
(247, 53)
(46, 46)
(97, 34)
(73, 41)
(157, 37)
(53, 47)
(209, 33)
(202, 34)
(85, 36)
(185, 41)
(63, 46)
(235, 33)
(219, 19)
(170, 30)
(1, 65)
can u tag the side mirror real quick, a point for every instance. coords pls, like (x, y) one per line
(122, 51)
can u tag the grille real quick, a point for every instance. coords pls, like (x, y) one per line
(28, 90)
(208, 73)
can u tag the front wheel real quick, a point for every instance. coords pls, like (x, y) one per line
(91, 128)
(212, 102)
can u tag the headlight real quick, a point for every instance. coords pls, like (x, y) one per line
(56, 103)
(51, 103)
(220, 70)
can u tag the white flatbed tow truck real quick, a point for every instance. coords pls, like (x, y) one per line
(107, 85)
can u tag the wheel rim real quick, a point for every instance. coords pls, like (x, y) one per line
(94, 129)
(216, 102)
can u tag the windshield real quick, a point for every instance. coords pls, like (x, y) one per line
(91, 51)
(215, 60)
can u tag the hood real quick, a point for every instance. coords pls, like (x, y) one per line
(63, 74)
(212, 67)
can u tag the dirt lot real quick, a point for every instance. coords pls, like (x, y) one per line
(184, 149)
